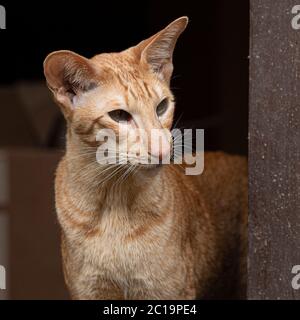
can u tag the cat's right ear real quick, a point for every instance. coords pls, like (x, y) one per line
(157, 51)
(68, 75)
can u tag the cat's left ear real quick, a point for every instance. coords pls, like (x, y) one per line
(68, 76)
(157, 51)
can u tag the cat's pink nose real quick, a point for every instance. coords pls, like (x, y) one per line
(161, 154)
(160, 147)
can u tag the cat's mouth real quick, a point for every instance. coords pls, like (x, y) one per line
(150, 166)
(147, 161)
(151, 163)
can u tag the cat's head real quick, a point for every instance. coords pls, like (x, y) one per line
(118, 91)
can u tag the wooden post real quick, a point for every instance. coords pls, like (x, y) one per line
(274, 150)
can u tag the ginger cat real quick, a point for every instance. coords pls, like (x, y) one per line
(159, 234)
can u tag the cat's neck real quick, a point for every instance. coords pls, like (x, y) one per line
(139, 200)
(99, 185)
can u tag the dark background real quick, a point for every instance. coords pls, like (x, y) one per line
(210, 80)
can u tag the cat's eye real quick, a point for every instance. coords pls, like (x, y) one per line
(120, 115)
(162, 107)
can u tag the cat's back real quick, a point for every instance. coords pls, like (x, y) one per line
(223, 186)
(224, 176)
(222, 189)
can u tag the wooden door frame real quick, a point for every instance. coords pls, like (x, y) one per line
(274, 150)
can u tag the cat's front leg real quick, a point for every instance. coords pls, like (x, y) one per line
(162, 293)
(107, 290)
(175, 287)
(84, 281)
(92, 289)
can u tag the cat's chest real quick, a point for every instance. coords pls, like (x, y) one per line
(111, 252)
(118, 253)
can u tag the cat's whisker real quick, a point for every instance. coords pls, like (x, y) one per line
(110, 176)
(97, 172)
(119, 180)
(130, 172)
(177, 121)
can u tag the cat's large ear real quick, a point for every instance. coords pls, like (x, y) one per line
(157, 51)
(68, 75)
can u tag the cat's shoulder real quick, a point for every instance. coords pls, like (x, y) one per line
(225, 160)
